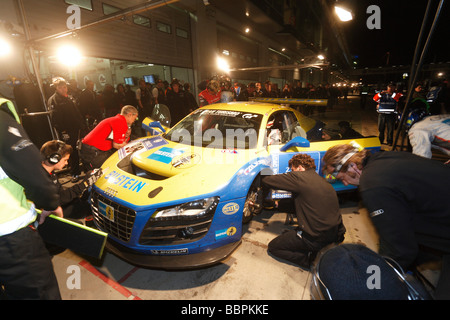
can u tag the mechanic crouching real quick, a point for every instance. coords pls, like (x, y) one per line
(316, 206)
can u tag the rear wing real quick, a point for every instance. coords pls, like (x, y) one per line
(293, 101)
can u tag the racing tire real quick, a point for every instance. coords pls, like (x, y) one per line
(253, 202)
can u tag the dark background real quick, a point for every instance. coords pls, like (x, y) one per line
(401, 22)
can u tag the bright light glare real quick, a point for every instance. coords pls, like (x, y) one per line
(223, 65)
(321, 57)
(5, 48)
(69, 55)
(343, 14)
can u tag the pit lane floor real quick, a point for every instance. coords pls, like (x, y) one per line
(250, 273)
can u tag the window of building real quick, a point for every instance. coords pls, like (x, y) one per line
(85, 4)
(137, 19)
(141, 20)
(108, 9)
(163, 27)
(182, 33)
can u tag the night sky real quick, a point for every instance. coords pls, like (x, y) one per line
(401, 21)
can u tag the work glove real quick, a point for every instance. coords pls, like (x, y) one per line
(92, 177)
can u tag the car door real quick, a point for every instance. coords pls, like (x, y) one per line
(282, 126)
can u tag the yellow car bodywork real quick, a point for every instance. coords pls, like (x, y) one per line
(151, 174)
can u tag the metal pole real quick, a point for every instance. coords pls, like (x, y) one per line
(419, 66)
(34, 64)
(419, 41)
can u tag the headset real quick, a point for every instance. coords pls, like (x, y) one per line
(55, 157)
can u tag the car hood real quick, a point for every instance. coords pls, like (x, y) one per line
(153, 170)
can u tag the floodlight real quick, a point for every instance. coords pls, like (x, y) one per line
(69, 55)
(343, 13)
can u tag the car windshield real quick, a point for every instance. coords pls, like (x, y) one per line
(224, 129)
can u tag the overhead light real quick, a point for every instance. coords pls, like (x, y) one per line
(222, 64)
(320, 57)
(247, 30)
(5, 48)
(69, 55)
(343, 13)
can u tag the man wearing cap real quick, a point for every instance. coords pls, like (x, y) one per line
(211, 94)
(406, 196)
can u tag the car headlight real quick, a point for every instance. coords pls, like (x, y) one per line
(189, 209)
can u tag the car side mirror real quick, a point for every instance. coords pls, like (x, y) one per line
(296, 142)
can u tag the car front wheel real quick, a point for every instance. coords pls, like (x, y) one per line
(253, 202)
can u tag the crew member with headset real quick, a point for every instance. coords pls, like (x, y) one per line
(26, 270)
(55, 156)
(407, 199)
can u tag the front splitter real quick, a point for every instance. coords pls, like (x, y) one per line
(172, 262)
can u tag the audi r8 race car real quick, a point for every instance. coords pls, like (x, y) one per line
(178, 199)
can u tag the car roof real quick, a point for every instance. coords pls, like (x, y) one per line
(246, 106)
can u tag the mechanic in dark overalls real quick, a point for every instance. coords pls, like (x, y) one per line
(317, 209)
(407, 197)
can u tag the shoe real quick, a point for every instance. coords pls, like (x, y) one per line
(75, 179)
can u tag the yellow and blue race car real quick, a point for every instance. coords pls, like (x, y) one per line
(178, 199)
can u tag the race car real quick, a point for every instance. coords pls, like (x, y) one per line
(177, 199)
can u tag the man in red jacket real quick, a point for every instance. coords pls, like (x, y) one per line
(211, 94)
(108, 136)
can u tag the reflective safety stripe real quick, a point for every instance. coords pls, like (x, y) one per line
(16, 212)
(19, 222)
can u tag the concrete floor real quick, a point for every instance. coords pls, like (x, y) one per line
(250, 273)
